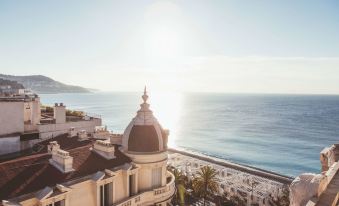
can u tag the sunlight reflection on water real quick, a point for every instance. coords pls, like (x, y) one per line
(167, 108)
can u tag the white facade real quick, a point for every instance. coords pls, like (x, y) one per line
(12, 117)
(32, 113)
(19, 115)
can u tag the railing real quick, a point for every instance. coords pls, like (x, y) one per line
(152, 196)
(329, 175)
(74, 118)
(336, 200)
(92, 115)
(47, 121)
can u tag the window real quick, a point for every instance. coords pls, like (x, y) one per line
(131, 185)
(156, 177)
(106, 192)
(58, 203)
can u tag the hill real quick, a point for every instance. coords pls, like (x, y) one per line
(13, 84)
(43, 84)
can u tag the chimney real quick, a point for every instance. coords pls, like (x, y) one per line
(62, 160)
(82, 135)
(52, 147)
(104, 149)
(72, 132)
(116, 139)
(59, 113)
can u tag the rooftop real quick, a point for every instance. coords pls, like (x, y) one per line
(33, 172)
(66, 143)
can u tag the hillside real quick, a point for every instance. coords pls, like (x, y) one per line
(13, 84)
(43, 84)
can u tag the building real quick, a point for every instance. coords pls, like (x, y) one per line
(66, 171)
(10, 88)
(23, 122)
(319, 189)
(20, 114)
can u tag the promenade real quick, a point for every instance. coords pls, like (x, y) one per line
(254, 184)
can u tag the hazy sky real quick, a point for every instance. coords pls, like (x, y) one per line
(220, 46)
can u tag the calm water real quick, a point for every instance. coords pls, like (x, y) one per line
(282, 133)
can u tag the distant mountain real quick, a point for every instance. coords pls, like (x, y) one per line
(43, 84)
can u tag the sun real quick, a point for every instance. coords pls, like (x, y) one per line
(162, 29)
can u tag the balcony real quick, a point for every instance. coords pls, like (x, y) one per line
(152, 196)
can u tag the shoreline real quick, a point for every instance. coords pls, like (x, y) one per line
(241, 167)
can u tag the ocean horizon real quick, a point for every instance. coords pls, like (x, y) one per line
(283, 133)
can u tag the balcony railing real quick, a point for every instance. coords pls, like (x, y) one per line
(152, 196)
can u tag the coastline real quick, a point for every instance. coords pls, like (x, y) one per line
(241, 167)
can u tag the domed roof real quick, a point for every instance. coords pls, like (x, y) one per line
(144, 134)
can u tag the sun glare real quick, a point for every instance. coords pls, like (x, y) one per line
(162, 29)
(167, 108)
(163, 41)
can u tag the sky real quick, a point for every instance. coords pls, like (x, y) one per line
(238, 46)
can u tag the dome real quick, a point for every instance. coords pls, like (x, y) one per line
(144, 134)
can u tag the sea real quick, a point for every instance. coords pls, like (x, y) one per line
(280, 133)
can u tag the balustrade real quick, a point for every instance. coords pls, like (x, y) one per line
(159, 194)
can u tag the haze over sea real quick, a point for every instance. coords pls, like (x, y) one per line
(281, 133)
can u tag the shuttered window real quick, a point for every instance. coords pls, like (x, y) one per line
(156, 177)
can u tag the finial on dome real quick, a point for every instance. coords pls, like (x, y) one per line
(145, 96)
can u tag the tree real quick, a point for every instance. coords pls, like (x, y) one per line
(205, 183)
(227, 199)
(283, 199)
(179, 186)
(181, 191)
(238, 201)
(179, 176)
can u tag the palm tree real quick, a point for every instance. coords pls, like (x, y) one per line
(205, 183)
(179, 176)
(179, 185)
